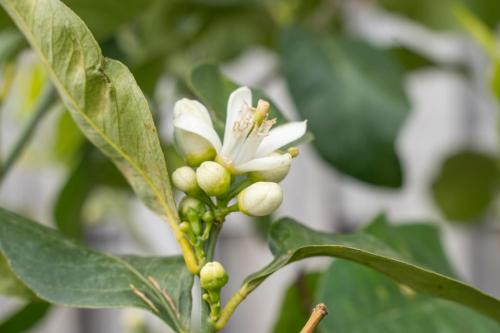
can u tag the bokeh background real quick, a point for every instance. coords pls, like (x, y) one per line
(400, 97)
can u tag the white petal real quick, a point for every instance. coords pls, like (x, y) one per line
(238, 100)
(264, 163)
(193, 108)
(192, 116)
(281, 136)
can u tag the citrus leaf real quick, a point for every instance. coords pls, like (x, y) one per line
(353, 97)
(384, 306)
(101, 95)
(381, 305)
(291, 241)
(63, 272)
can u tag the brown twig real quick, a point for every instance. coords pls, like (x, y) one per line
(318, 313)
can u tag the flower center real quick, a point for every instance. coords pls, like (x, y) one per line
(248, 130)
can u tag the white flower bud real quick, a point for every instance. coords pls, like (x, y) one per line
(213, 178)
(260, 199)
(275, 175)
(184, 178)
(213, 276)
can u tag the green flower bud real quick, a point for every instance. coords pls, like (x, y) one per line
(260, 199)
(184, 178)
(275, 175)
(208, 217)
(213, 276)
(187, 203)
(185, 227)
(213, 178)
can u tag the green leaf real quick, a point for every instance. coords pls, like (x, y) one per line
(63, 272)
(407, 240)
(466, 185)
(363, 301)
(101, 95)
(92, 171)
(297, 304)
(213, 88)
(352, 95)
(10, 284)
(26, 318)
(291, 241)
(382, 305)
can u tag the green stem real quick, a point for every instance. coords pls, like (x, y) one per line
(42, 106)
(206, 325)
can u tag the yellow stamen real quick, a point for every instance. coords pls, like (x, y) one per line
(261, 111)
(293, 151)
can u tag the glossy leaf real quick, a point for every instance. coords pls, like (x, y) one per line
(291, 241)
(386, 306)
(352, 95)
(466, 185)
(102, 96)
(25, 318)
(366, 301)
(63, 272)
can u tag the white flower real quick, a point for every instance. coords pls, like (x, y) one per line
(260, 199)
(248, 139)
